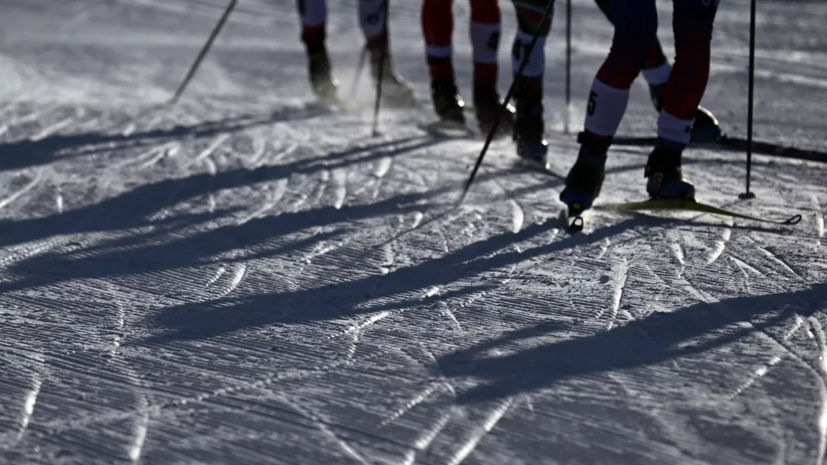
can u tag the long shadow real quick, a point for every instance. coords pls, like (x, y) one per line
(133, 208)
(29, 153)
(393, 291)
(136, 254)
(644, 342)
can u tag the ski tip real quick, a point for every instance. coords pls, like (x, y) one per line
(576, 225)
(794, 220)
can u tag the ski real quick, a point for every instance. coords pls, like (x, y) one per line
(688, 205)
(449, 129)
(534, 165)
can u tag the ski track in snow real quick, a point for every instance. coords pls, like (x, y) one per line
(774, 258)
(382, 167)
(821, 372)
(517, 216)
(28, 407)
(248, 274)
(774, 360)
(719, 246)
(419, 398)
(620, 275)
(22, 191)
(819, 220)
(494, 417)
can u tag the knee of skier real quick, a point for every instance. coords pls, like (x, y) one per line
(530, 15)
(635, 32)
(485, 11)
(692, 21)
(631, 48)
(372, 18)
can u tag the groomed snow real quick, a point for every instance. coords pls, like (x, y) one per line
(249, 278)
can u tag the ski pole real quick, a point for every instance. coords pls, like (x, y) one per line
(203, 52)
(355, 86)
(508, 96)
(748, 194)
(380, 75)
(567, 114)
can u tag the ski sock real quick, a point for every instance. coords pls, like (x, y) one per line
(528, 18)
(485, 39)
(438, 29)
(605, 109)
(674, 129)
(313, 15)
(658, 75)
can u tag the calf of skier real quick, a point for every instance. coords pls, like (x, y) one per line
(656, 70)
(438, 28)
(636, 23)
(313, 15)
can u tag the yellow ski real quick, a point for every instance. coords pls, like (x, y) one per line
(689, 205)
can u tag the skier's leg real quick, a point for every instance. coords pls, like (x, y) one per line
(438, 29)
(374, 25)
(529, 127)
(636, 23)
(485, 40)
(692, 22)
(313, 15)
(656, 71)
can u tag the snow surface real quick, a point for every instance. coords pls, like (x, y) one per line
(246, 278)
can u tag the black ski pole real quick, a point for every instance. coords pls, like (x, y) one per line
(568, 67)
(380, 75)
(203, 52)
(527, 53)
(748, 194)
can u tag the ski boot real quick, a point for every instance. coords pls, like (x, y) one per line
(705, 129)
(321, 77)
(447, 102)
(318, 64)
(529, 132)
(663, 171)
(487, 106)
(586, 177)
(395, 91)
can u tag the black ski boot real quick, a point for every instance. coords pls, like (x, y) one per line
(447, 102)
(321, 77)
(487, 105)
(395, 91)
(705, 129)
(663, 171)
(529, 131)
(319, 69)
(586, 177)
